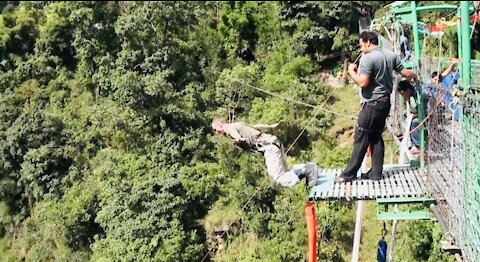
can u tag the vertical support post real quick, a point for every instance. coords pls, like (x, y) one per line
(358, 221)
(421, 114)
(466, 68)
(466, 84)
(416, 39)
(358, 232)
(392, 243)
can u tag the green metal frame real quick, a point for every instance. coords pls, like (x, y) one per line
(405, 215)
(423, 214)
(465, 52)
(405, 200)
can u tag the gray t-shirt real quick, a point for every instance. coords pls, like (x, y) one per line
(379, 65)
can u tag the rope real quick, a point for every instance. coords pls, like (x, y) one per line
(243, 208)
(452, 135)
(231, 110)
(358, 57)
(447, 16)
(334, 55)
(474, 24)
(319, 108)
(295, 101)
(308, 123)
(266, 178)
(315, 115)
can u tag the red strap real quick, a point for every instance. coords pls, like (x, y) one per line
(312, 231)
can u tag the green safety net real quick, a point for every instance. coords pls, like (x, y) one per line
(471, 166)
(453, 141)
(444, 145)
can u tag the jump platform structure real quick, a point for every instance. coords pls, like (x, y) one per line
(401, 184)
(399, 181)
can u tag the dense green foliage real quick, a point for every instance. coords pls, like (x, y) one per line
(106, 152)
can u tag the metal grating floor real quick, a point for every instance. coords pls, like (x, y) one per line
(398, 181)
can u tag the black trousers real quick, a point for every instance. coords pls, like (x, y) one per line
(371, 123)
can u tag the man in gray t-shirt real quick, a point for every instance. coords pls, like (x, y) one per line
(252, 137)
(375, 77)
(379, 65)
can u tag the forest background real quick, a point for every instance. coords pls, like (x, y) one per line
(106, 150)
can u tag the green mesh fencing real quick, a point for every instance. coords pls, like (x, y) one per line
(476, 73)
(471, 187)
(444, 149)
(453, 168)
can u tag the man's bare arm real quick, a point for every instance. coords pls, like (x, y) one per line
(265, 126)
(362, 80)
(408, 74)
(450, 67)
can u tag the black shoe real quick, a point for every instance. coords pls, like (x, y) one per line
(365, 175)
(301, 176)
(368, 176)
(311, 171)
(375, 178)
(343, 179)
